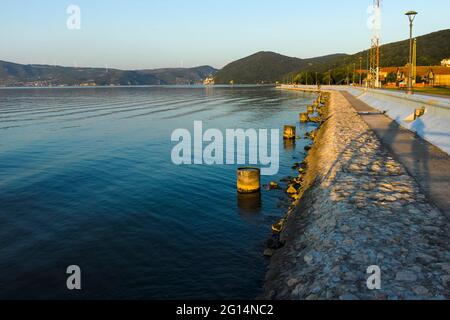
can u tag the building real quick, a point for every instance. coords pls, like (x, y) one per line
(439, 76)
(209, 81)
(431, 76)
(445, 62)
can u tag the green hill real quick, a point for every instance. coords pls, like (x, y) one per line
(431, 50)
(269, 67)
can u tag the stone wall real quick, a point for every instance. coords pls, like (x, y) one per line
(360, 208)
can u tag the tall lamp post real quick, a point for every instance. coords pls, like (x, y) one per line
(411, 15)
(360, 71)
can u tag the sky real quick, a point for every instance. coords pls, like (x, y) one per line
(146, 34)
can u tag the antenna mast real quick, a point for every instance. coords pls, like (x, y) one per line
(374, 72)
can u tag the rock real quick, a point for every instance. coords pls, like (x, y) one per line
(292, 282)
(274, 243)
(286, 179)
(420, 290)
(291, 190)
(446, 281)
(330, 295)
(274, 185)
(376, 168)
(382, 296)
(445, 267)
(406, 276)
(424, 258)
(348, 297)
(308, 258)
(268, 253)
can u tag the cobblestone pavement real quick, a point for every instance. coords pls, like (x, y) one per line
(363, 209)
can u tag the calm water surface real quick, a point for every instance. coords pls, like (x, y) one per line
(86, 178)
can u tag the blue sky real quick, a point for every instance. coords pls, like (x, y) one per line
(137, 34)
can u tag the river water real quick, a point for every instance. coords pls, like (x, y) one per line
(86, 179)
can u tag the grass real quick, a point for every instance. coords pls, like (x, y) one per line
(444, 91)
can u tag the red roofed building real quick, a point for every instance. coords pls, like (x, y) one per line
(431, 75)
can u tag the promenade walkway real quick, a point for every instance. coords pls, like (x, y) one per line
(427, 164)
(364, 209)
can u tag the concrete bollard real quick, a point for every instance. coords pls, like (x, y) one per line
(248, 180)
(304, 117)
(419, 113)
(289, 132)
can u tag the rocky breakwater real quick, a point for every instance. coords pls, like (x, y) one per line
(357, 207)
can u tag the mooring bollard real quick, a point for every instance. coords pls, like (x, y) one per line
(248, 180)
(304, 117)
(289, 132)
(310, 109)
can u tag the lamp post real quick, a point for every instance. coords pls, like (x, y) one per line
(411, 16)
(360, 71)
(354, 72)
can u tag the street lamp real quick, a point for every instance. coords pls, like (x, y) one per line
(411, 15)
(354, 72)
(360, 71)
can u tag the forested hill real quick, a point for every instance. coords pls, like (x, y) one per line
(269, 67)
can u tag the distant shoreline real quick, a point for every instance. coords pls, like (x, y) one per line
(194, 86)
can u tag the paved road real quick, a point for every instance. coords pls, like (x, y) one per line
(429, 165)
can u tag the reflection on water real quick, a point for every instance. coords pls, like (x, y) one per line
(249, 203)
(289, 144)
(86, 178)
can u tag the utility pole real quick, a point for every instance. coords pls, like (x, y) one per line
(411, 16)
(414, 60)
(360, 71)
(347, 78)
(354, 72)
(375, 47)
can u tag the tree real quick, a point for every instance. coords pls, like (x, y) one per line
(391, 77)
(298, 78)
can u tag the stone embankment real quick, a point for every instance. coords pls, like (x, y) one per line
(358, 207)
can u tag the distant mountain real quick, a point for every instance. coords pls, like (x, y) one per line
(262, 67)
(13, 74)
(182, 75)
(269, 67)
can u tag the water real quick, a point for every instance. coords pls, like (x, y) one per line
(86, 179)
